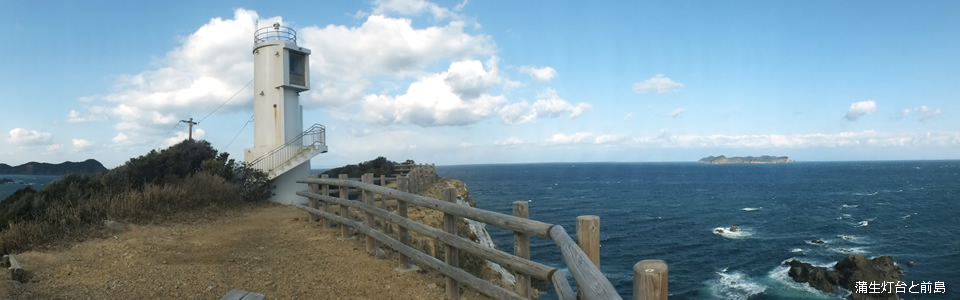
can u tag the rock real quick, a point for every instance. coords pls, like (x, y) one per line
(846, 273)
(432, 285)
(857, 268)
(112, 225)
(734, 229)
(818, 277)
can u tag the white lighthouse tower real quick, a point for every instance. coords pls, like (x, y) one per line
(282, 149)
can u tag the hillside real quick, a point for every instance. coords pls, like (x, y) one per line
(87, 167)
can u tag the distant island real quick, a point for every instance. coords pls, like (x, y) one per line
(87, 167)
(766, 159)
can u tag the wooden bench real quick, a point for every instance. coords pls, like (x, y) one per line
(236, 294)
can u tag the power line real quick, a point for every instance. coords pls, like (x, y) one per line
(238, 133)
(225, 102)
(166, 134)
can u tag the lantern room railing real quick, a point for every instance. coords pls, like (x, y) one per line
(275, 33)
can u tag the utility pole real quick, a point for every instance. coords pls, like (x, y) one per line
(191, 122)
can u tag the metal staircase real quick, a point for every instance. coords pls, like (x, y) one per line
(301, 148)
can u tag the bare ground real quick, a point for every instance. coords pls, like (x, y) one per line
(270, 249)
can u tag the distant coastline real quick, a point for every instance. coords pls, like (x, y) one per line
(766, 159)
(87, 167)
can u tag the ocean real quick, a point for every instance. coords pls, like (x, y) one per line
(22, 181)
(905, 209)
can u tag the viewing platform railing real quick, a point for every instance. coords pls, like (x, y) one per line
(582, 259)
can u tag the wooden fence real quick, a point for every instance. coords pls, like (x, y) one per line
(650, 277)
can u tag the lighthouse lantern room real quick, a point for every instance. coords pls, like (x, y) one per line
(282, 148)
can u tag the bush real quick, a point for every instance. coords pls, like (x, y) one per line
(378, 166)
(186, 177)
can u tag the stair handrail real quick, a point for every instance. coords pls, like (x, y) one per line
(316, 134)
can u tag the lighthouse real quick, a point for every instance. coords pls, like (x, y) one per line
(282, 148)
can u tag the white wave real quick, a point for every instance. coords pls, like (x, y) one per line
(786, 287)
(850, 206)
(735, 285)
(846, 216)
(863, 224)
(741, 232)
(796, 250)
(752, 208)
(851, 250)
(907, 216)
(865, 194)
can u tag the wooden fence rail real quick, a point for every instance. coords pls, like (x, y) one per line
(591, 283)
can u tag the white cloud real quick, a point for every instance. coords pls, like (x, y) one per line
(560, 138)
(859, 109)
(667, 139)
(81, 144)
(54, 148)
(509, 141)
(543, 74)
(677, 112)
(346, 59)
(198, 134)
(29, 138)
(904, 113)
(414, 8)
(96, 113)
(925, 113)
(214, 62)
(609, 139)
(434, 101)
(659, 83)
(548, 105)
(120, 138)
(465, 145)
(628, 116)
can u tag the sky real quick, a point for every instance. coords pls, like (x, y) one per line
(482, 82)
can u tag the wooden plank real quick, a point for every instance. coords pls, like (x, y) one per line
(403, 234)
(588, 237)
(451, 255)
(423, 259)
(313, 202)
(325, 190)
(650, 280)
(561, 286)
(521, 248)
(383, 198)
(505, 260)
(371, 221)
(531, 227)
(589, 278)
(344, 210)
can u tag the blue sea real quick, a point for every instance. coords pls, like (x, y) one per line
(22, 181)
(905, 209)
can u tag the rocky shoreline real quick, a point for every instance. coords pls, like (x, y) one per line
(847, 273)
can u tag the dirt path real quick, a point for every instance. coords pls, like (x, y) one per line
(270, 249)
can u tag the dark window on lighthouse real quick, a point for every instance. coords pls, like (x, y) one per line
(298, 69)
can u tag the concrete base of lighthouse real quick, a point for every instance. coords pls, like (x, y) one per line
(287, 186)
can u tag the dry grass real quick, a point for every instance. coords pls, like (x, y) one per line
(76, 218)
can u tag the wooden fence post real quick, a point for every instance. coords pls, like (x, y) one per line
(521, 248)
(451, 255)
(650, 280)
(313, 202)
(371, 221)
(404, 235)
(383, 198)
(325, 190)
(344, 210)
(588, 238)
